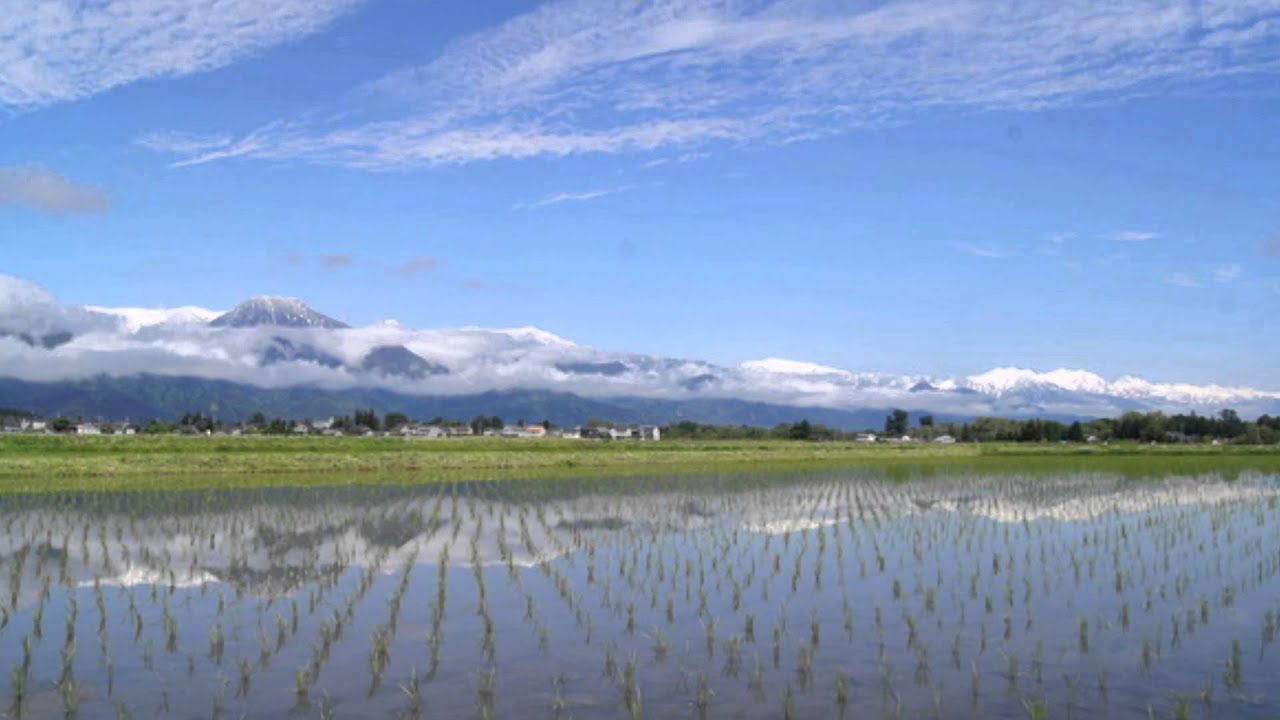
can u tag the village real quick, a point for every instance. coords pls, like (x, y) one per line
(332, 427)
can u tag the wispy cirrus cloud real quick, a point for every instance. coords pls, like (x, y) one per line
(678, 159)
(1134, 235)
(566, 197)
(1230, 272)
(36, 186)
(593, 76)
(53, 50)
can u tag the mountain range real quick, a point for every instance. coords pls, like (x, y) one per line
(282, 357)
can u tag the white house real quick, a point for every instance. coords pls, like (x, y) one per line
(427, 431)
(865, 437)
(945, 440)
(88, 429)
(524, 431)
(636, 432)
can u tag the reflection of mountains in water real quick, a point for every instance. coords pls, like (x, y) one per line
(270, 543)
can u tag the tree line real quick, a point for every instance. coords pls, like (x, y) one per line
(1157, 427)
(1226, 426)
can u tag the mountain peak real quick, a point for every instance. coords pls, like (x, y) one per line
(783, 366)
(276, 311)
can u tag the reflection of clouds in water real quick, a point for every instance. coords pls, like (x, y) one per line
(271, 548)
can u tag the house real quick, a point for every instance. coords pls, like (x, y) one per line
(636, 432)
(427, 431)
(524, 431)
(32, 425)
(945, 440)
(865, 437)
(88, 429)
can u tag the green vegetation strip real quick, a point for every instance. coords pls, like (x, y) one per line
(56, 463)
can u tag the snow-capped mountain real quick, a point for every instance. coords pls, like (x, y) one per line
(136, 319)
(270, 342)
(276, 312)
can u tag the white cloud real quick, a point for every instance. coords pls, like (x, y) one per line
(594, 76)
(564, 197)
(39, 187)
(1134, 235)
(179, 342)
(27, 308)
(57, 50)
(678, 159)
(1228, 273)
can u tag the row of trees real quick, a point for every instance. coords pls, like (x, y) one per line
(1227, 426)
(803, 430)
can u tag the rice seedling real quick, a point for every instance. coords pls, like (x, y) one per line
(301, 686)
(842, 693)
(412, 689)
(702, 700)
(631, 690)
(1036, 709)
(1234, 672)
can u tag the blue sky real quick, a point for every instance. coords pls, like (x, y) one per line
(937, 187)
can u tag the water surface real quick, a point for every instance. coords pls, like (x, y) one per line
(749, 596)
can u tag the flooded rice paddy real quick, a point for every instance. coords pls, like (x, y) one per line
(832, 594)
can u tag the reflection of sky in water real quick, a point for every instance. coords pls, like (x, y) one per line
(917, 588)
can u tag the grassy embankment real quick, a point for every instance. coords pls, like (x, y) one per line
(49, 463)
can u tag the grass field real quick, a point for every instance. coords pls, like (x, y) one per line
(37, 463)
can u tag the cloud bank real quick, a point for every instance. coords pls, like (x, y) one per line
(595, 76)
(58, 50)
(181, 342)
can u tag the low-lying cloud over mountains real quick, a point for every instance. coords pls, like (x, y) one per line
(273, 342)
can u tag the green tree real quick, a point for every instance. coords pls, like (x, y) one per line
(1232, 425)
(486, 422)
(1075, 433)
(801, 431)
(368, 418)
(926, 421)
(395, 420)
(896, 423)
